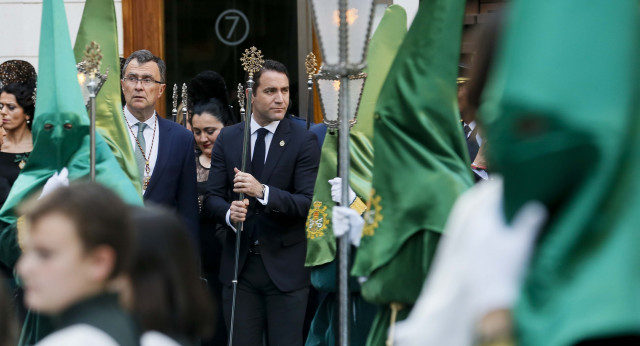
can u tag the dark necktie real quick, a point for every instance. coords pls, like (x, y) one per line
(140, 155)
(467, 129)
(257, 162)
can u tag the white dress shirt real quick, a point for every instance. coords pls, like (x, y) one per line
(149, 138)
(267, 143)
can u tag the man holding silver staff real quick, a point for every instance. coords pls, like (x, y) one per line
(273, 283)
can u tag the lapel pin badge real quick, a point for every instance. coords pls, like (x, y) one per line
(282, 143)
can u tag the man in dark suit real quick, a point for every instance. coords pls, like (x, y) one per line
(273, 282)
(163, 149)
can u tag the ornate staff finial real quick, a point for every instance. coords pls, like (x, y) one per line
(89, 75)
(184, 104)
(174, 103)
(93, 58)
(252, 60)
(311, 64)
(241, 96)
(175, 97)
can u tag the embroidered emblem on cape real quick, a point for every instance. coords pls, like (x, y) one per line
(317, 220)
(373, 215)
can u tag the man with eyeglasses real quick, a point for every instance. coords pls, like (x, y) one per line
(163, 150)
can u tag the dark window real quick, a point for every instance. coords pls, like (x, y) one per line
(195, 43)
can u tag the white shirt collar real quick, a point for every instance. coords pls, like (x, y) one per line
(133, 120)
(472, 125)
(271, 127)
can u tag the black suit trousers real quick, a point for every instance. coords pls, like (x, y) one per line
(262, 308)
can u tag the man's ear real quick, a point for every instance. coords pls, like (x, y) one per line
(103, 261)
(162, 87)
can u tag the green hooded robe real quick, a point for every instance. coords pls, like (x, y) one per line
(562, 117)
(60, 139)
(321, 242)
(420, 165)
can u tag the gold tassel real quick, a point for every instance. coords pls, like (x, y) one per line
(22, 230)
(395, 307)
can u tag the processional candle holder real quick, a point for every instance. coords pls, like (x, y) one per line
(343, 28)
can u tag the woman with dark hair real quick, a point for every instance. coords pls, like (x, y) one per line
(210, 113)
(17, 107)
(207, 121)
(167, 296)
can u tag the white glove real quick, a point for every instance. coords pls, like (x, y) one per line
(336, 191)
(346, 219)
(57, 180)
(478, 268)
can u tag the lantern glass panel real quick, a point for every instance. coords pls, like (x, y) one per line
(359, 16)
(327, 29)
(329, 91)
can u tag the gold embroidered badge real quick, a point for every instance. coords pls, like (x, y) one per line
(317, 220)
(373, 215)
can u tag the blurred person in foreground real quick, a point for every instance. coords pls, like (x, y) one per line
(8, 324)
(164, 290)
(77, 240)
(564, 142)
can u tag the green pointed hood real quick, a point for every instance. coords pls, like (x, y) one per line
(561, 114)
(321, 243)
(420, 163)
(61, 124)
(99, 24)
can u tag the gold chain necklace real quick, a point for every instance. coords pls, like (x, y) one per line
(147, 169)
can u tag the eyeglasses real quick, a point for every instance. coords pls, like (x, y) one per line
(132, 80)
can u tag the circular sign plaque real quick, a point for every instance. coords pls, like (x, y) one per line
(232, 27)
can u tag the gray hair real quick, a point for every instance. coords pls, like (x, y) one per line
(143, 56)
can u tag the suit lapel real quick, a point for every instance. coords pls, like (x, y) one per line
(277, 147)
(163, 153)
(236, 147)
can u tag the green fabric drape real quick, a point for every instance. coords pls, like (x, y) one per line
(61, 124)
(420, 163)
(562, 117)
(321, 243)
(99, 24)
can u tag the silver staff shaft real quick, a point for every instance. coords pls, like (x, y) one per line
(184, 105)
(92, 86)
(343, 154)
(240, 225)
(309, 102)
(174, 102)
